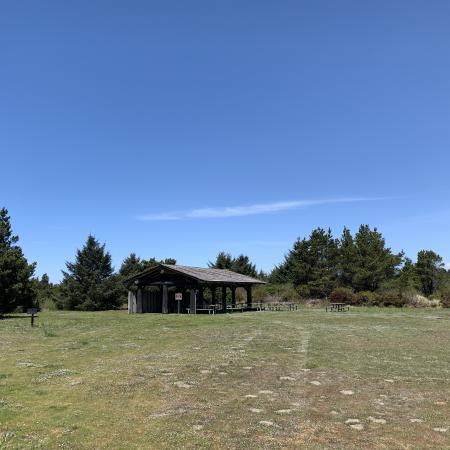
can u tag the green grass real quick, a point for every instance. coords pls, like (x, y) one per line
(109, 380)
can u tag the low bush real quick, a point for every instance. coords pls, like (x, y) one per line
(419, 301)
(48, 304)
(343, 295)
(393, 298)
(303, 291)
(445, 299)
(368, 298)
(272, 293)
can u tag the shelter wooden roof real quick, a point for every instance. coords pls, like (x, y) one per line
(203, 275)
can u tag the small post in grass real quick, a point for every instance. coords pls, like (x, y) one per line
(32, 312)
(178, 299)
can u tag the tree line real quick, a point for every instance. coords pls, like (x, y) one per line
(322, 266)
(354, 269)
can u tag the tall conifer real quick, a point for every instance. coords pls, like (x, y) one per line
(89, 282)
(16, 284)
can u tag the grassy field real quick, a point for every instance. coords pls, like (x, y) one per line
(369, 378)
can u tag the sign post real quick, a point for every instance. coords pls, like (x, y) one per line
(178, 299)
(32, 312)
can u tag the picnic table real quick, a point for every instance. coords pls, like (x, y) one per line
(210, 309)
(238, 307)
(281, 306)
(338, 307)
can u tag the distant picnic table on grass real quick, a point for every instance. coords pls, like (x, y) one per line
(241, 307)
(337, 307)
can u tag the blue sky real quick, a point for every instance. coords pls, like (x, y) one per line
(179, 129)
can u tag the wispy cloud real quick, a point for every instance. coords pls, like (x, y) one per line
(248, 210)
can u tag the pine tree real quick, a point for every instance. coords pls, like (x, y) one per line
(375, 262)
(170, 261)
(89, 282)
(243, 265)
(45, 292)
(315, 263)
(16, 284)
(347, 259)
(408, 277)
(223, 261)
(240, 264)
(131, 265)
(311, 265)
(430, 270)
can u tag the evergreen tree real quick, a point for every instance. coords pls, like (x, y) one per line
(170, 261)
(347, 259)
(16, 285)
(317, 266)
(282, 273)
(223, 261)
(152, 262)
(131, 265)
(375, 262)
(430, 270)
(243, 265)
(263, 275)
(326, 272)
(45, 292)
(311, 265)
(279, 274)
(408, 277)
(89, 282)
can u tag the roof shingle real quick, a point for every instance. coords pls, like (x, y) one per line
(214, 275)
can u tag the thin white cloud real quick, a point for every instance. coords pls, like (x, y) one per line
(248, 210)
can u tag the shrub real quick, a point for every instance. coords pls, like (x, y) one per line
(290, 294)
(412, 297)
(276, 293)
(445, 300)
(260, 294)
(343, 295)
(368, 298)
(419, 301)
(393, 298)
(48, 304)
(303, 291)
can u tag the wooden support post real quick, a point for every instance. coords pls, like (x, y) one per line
(233, 296)
(131, 302)
(213, 295)
(224, 299)
(165, 299)
(193, 301)
(139, 300)
(249, 297)
(200, 299)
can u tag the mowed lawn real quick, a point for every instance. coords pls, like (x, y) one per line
(368, 378)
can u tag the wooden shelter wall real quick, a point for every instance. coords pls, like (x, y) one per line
(151, 301)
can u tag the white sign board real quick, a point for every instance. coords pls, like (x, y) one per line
(178, 296)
